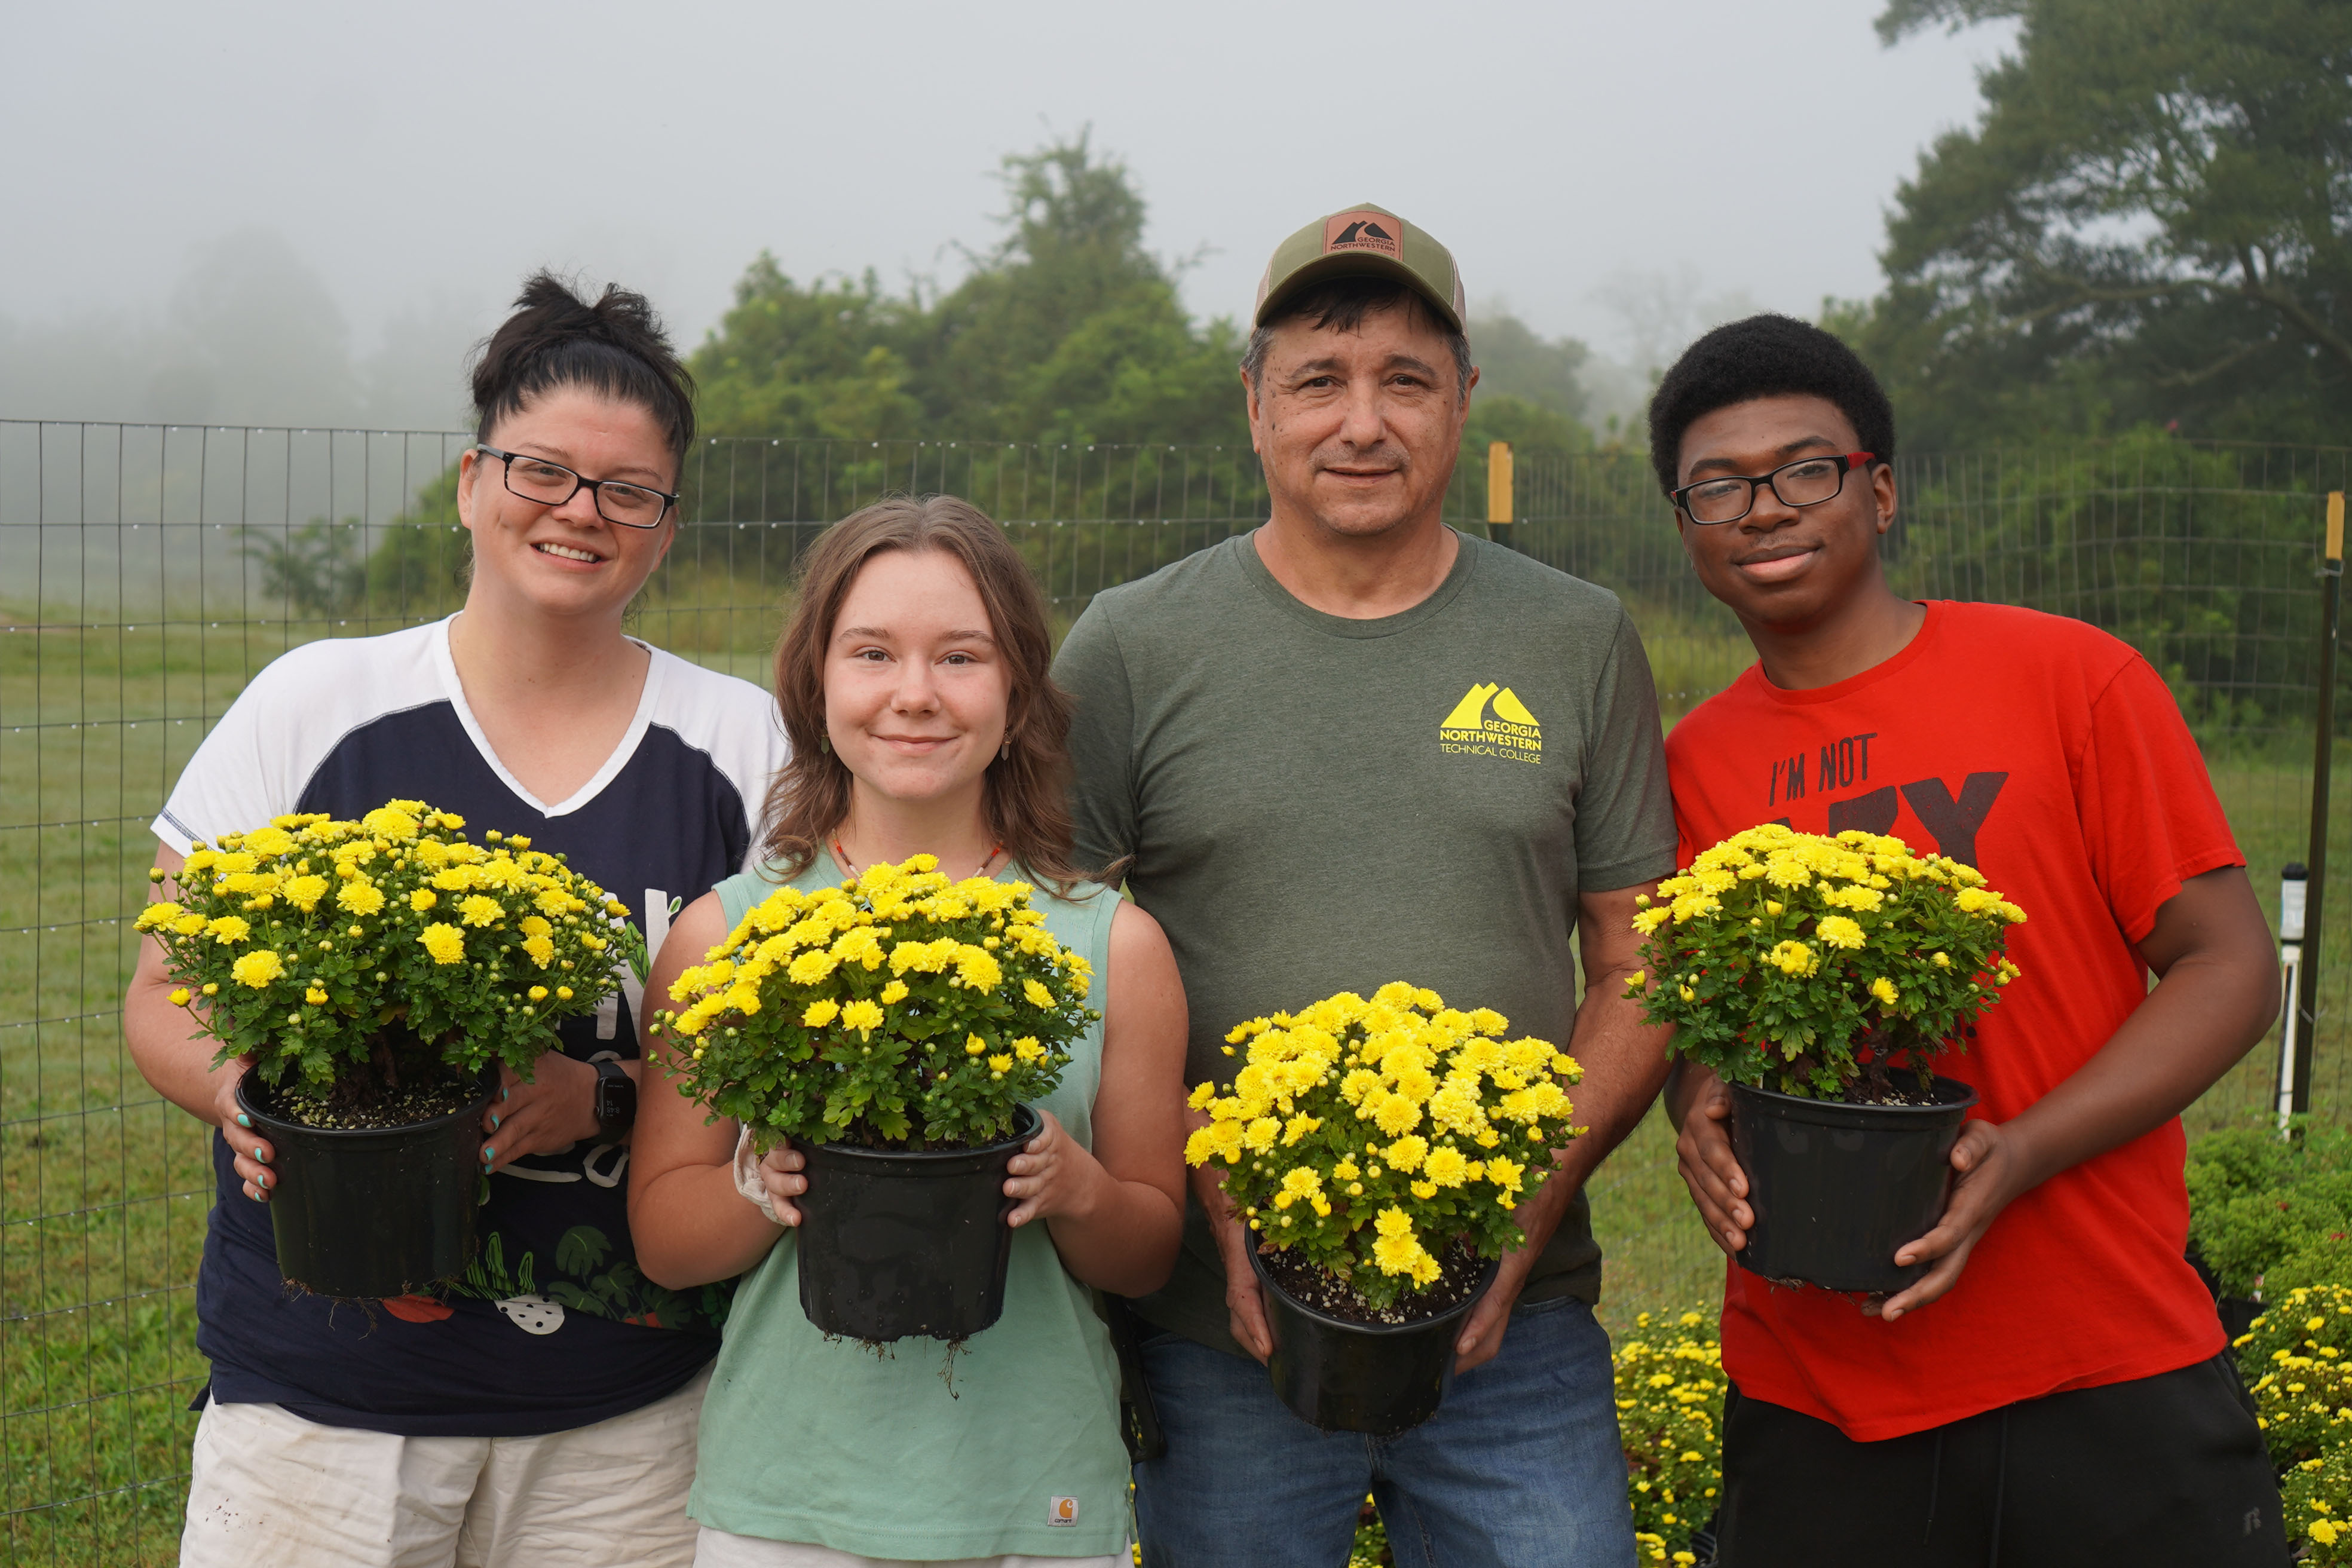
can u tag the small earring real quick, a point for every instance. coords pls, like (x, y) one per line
(824, 743)
(1004, 752)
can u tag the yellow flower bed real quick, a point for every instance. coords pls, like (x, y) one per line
(1670, 1388)
(1779, 955)
(303, 942)
(2297, 1358)
(899, 1008)
(1367, 1135)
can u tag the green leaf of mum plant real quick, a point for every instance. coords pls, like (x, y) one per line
(897, 1010)
(306, 943)
(1811, 965)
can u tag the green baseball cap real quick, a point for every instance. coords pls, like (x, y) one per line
(1362, 241)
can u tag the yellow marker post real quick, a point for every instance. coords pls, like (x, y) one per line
(2296, 1093)
(1498, 482)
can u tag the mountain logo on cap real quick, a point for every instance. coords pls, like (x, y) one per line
(1373, 231)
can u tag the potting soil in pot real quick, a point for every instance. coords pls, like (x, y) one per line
(1460, 1273)
(402, 1108)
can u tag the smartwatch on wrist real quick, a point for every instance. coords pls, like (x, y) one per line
(616, 1097)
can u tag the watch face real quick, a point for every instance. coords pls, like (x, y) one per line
(616, 1097)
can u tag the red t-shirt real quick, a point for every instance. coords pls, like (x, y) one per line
(2050, 756)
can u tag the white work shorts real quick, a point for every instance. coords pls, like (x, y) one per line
(272, 1488)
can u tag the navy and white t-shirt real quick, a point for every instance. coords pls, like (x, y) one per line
(553, 1326)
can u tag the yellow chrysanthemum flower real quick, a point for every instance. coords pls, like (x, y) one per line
(359, 896)
(445, 942)
(1839, 931)
(257, 969)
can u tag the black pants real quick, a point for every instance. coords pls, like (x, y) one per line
(2152, 1473)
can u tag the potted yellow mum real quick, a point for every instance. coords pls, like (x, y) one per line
(894, 1029)
(1821, 978)
(374, 974)
(1377, 1148)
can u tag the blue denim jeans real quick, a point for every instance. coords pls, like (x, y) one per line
(1520, 1468)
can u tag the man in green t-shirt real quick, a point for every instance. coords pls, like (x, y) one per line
(1350, 747)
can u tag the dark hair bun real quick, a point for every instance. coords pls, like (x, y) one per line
(615, 347)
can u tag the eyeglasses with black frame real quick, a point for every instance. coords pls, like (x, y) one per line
(1808, 481)
(552, 484)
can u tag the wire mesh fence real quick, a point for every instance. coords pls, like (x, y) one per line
(147, 572)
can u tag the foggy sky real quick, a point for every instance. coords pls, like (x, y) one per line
(248, 212)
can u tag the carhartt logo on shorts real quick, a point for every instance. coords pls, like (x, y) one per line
(1508, 730)
(1062, 1511)
(1375, 232)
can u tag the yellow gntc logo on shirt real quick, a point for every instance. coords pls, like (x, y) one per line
(1509, 730)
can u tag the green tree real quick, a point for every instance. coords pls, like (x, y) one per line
(1514, 360)
(823, 361)
(1069, 330)
(2151, 222)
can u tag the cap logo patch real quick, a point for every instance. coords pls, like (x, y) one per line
(1374, 231)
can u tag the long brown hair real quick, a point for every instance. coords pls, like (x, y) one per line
(1026, 791)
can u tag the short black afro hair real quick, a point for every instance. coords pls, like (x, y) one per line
(1764, 356)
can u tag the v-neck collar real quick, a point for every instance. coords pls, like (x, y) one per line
(639, 723)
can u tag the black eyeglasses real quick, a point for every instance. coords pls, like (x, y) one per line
(1808, 481)
(552, 484)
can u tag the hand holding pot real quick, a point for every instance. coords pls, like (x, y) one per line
(1990, 1172)
(1245, 1304)
(553, 1111)
(1051, 1175)
(1702, 1152)
(778, 1174)
(253, 1151)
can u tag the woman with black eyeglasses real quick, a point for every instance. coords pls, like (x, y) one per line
(542, 1407)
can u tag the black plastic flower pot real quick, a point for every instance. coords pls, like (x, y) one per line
(1382, 1378)
(895, 1244)
(372, 1210)
(1837, 1188)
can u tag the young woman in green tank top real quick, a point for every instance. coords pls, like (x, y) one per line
(913, 679)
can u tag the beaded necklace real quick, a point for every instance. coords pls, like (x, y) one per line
(841, 858)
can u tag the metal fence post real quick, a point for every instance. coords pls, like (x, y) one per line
(2307, 991)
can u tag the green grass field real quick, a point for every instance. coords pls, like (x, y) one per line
(104, 1189)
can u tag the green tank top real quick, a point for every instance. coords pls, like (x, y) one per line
(876, 1453)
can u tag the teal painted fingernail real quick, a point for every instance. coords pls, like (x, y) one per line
(261, 1180)
(261, 1154)
(242, 1120)
(494, 1122)
(488, 1153)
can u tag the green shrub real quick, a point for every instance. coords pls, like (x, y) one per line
(2256, 1200)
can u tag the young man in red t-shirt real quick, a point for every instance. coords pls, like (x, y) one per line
(2056, 1387)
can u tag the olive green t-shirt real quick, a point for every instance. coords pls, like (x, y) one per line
(1317, 805)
